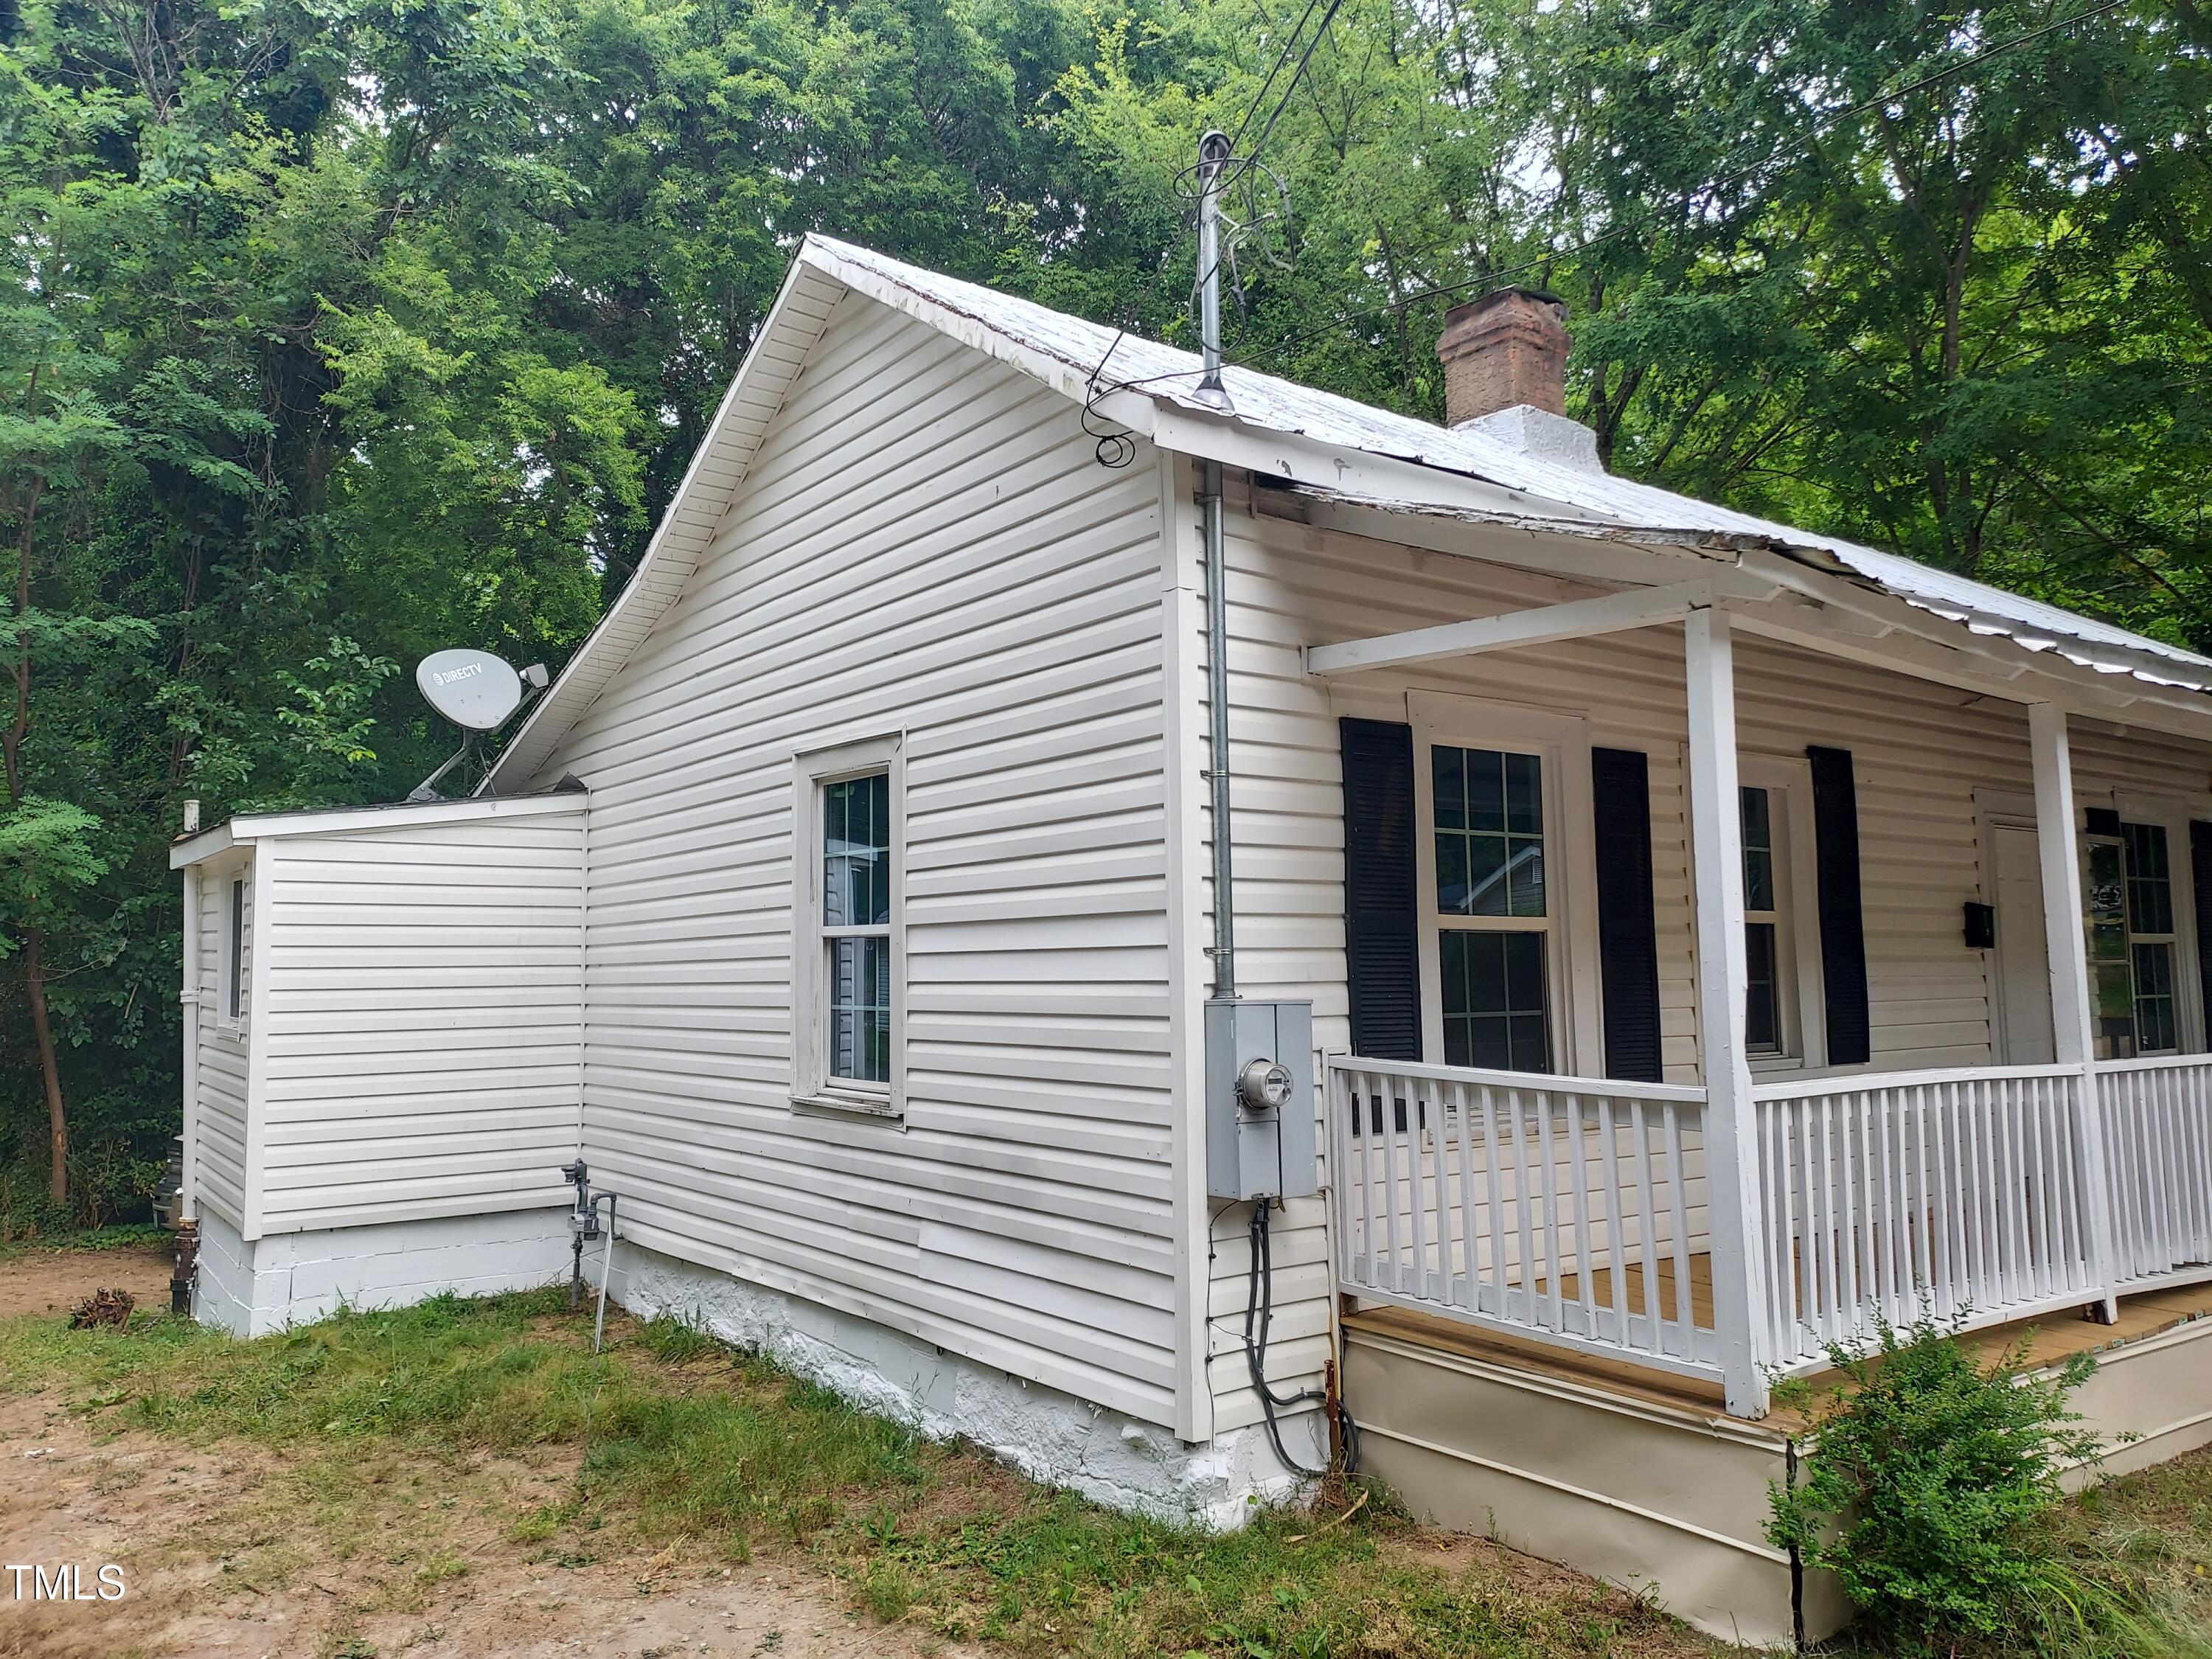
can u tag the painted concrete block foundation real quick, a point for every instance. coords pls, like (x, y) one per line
(270, 1284)
(1048, 1436)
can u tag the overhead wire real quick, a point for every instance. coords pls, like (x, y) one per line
(1114, 448)
(1297, 75)
(1490, 280)
(1259, 97)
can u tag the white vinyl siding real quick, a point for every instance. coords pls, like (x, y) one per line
(221, 1075)
(924, 541)
(421, 1020)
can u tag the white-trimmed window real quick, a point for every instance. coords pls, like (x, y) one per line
(2138, 912)
(1782, 1013)
(2153, 938)
(847, 934)
(1503, 796)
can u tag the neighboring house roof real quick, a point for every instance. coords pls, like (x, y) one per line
(1108, 368)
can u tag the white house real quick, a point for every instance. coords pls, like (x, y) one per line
(1715, 934)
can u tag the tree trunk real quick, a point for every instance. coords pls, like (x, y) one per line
(56, 1120)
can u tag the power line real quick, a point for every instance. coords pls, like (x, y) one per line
(1297, 75)
(1261, 96)
(1234, 166)
(1825, 125)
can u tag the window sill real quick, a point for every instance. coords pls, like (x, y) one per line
(1766, 1064)
(876, 1106)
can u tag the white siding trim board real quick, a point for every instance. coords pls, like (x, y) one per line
(262, 880)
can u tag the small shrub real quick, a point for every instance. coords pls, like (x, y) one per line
(1932, 1491)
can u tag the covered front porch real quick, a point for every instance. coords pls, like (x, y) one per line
(1545, 1146)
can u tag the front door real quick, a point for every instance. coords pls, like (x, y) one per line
(2022, 993)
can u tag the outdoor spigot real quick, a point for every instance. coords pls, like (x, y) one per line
(583, 1225)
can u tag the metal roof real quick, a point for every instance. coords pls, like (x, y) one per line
(1168, 375)
(1107, 366)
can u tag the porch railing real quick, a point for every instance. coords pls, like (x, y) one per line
(1567, 1209)
(1955, 1194)
(2158, 1141)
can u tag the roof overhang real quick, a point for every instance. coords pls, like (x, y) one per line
(250, 826)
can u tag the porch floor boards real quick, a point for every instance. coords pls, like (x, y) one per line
(2048, 1338)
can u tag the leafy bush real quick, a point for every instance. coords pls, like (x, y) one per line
(1932, 1491)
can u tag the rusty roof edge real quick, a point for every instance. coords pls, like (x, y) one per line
(2151, 669)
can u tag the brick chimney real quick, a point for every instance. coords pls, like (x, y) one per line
(1506, 375)
(1503, 350)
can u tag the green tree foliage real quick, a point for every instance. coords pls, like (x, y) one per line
(333, 334)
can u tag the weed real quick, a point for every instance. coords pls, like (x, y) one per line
(674, 1343)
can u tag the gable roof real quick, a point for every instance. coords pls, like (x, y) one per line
(1153, 390)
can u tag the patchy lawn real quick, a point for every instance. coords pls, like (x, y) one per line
(465, 1478)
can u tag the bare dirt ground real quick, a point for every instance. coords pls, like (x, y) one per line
(53, 1281)
(232, 1551)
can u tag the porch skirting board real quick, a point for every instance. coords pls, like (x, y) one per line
(283, 1279)
(2157, 1388)
(1048, 1436)
(1666, 1503)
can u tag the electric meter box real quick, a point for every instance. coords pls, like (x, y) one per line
(1260, 1106)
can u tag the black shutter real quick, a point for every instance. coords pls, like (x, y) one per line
(1627, 937)
(1382, 915)
(1843, 927)
(2200, 883)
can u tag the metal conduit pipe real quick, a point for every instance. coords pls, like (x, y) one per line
(1213, 154)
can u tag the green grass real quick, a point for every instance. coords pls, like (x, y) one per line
(676, 1440)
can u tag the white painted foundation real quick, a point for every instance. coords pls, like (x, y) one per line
(1048, 1436)
(283, 1279)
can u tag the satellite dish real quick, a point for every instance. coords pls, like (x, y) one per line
(474, 690)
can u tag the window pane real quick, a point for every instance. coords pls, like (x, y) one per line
(1485, 876)
(1524, 876)
(1485, 789)
(1524, 794)
(2155, 1018)
(1453, 895)
(861, 1009)
(1448, 770)
(2150, 881)
(856, 877)
(2102, 897)
(1494, 1000)
(1758, 851)
(1488, 832)
(1762, 1025)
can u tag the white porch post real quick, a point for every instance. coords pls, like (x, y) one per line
(1733, 1201)
(2067, 949)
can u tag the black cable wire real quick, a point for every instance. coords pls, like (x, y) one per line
(1116, 448)
(1297, 75)
(1260, 1311)
(1261, 96)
